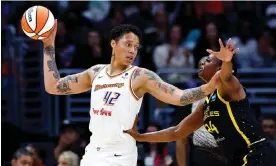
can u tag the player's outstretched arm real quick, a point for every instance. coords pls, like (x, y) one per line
(71, 84)
(170, 94)
(226, 54)
(182, 130)
(229, 81)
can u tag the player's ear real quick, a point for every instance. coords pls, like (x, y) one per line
(113, 43)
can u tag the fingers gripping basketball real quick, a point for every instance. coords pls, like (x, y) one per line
(37, 22)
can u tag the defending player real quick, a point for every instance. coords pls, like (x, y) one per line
(226, 114)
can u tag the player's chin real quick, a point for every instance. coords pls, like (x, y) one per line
(128, 62)
(201, 75)
(200, 72)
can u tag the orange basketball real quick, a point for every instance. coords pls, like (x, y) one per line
(37, 22)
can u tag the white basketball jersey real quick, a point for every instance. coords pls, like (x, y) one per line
(114, 107)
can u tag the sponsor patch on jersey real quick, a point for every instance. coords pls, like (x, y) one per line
(213, 98)
(118, 85)
(125, 76)
(102, 112)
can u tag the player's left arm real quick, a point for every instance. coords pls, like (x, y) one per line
(182, 130)
(229, 81)
(151, 83)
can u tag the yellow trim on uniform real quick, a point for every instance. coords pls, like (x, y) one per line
(245, 159)
(207, 99)
(233, 119)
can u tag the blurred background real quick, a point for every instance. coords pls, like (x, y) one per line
(175, 37)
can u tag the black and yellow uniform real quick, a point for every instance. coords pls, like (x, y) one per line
(237, 132)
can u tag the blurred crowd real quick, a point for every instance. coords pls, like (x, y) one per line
(175, 35)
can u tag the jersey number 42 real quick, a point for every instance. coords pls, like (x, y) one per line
(110, 98)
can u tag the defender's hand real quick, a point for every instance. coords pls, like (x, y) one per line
(134, 131)
(51, 39)
(135, 134)
(226, 53)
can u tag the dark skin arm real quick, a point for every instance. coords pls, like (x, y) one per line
(182, 130)
(229, 83)
(181, 151)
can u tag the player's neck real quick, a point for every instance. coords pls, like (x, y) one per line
(204, 80)
(115, 67)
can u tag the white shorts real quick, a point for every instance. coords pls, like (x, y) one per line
(95, 156)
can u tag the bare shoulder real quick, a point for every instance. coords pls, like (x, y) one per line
(145, 74)
(145, 80)
(142, 75)
(232, 90)
(138, 79)
(94, 70)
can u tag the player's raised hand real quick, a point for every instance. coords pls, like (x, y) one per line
(226, 52)
(51, 39)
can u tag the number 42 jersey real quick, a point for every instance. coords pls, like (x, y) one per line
(113, 108)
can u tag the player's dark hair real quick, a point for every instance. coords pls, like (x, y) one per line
(118, 31)
(21, 152)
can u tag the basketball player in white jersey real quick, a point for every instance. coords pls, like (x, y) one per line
(117, 90)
